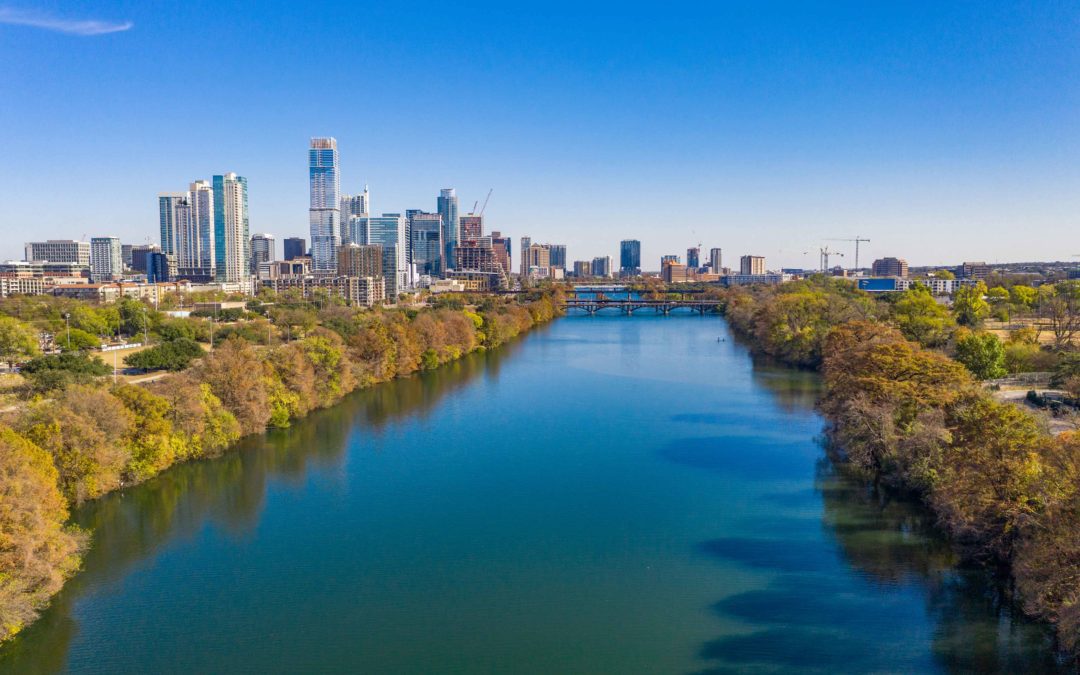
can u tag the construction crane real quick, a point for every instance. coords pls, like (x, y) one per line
(825, 253)
(855, 239)
(482, 208)
(474, 205)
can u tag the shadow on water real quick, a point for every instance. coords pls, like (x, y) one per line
(129, 527)
(808, 619)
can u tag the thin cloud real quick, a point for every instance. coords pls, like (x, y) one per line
(20, 17)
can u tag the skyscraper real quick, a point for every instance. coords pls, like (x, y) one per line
(425, 233)
(448, 209)
(716, 260)
(201, 196)
(693, 257)
(263, 250)
(752, 264)
(558, 255)
(106, 260)
(324, 214)
(501, 246)
(388, 231)
(526, 242)
(231, 240)
(360, 260)
(630, 257)
(353, 206)
(295, 247)
(601, 266)
(174, 212)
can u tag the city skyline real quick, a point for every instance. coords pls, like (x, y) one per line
(763, 131)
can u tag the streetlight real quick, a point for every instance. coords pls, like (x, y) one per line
(67, 322)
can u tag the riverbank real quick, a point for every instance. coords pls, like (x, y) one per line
(1005, 490)
(87, 438)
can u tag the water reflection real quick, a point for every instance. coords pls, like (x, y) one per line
(805, 618)
(229, 492)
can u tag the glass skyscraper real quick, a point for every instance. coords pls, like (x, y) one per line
(448, 209)
(324, 215)
(630, 257)
(388, 230)
(231, 240)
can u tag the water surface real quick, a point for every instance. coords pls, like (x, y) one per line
(606, 495)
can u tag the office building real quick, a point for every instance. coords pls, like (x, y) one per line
(601, 266)
(472, 226)
(59, 251)
(536, 261)
(324, 213)
(629, 257)
(448, 209)
(582, 269)
(557, 256)
(125, 255)
(526, 242)
(360, 260)
(753, 265)
(889, 267)
(294, 247)
(355, 205)
(973, 270)
(263, 250)
(106, 259)
(716, 260)
(140, 257)
(160, 267)
(666, 259)
(693, 257)
(388, 231)
(425, 233)
(231, 239)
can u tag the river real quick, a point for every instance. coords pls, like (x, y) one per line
(605, 495)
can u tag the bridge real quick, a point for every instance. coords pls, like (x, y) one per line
(628, 306)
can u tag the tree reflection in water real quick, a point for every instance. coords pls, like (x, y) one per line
(130, 526)
(807, 621)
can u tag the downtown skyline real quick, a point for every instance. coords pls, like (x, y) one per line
(828, 124)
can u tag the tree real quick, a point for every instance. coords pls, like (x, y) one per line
(236, 376)
(37, 551)
(982, 354)
(78, 340)
(921, 318)
(134, 316)
(17, 341)
(969, 307)
(53, 372)
(174, 355)
(1059, 305)
(1023, 295)
(944, 274)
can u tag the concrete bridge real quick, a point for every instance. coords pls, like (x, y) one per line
(628, 306)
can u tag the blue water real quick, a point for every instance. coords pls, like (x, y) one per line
(606, 495)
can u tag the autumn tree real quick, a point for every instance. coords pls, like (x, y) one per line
(18, 341)
(921, 318)
(969, 306)
(982, 353)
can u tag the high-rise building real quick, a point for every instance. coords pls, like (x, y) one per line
(536, 261)
(106, 259)
(889, 267)
(478, 255)
(582, 269)
(360, 260)
(693, 257)
(353, 206)
(752, 264)
(425, 233)
(201, 197)
(59, 251)
(448, 209)
(295, 247)
(140, 257)
(630, 257)
(716, 260)
(388, 231)
(263, 250)
(668, 259)
(324, 214)
(526, 242)
(231, 239)
(501, 246)
(125, 254)
(174, 212)
(160, 267)
(558, 255)
(601, 266)
(472, 226)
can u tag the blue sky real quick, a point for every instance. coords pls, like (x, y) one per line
(941, 131)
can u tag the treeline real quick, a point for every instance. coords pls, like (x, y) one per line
(78, 436)
(909, 416)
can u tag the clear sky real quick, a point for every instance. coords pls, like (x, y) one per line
(942, 131)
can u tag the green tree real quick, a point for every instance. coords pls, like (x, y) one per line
(1023, 295)
(921, 318)
(17, 341)
(969, 307)
(982, 354)
(78, 340)
(174, 355)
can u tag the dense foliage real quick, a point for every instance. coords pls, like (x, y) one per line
(1005, 490)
